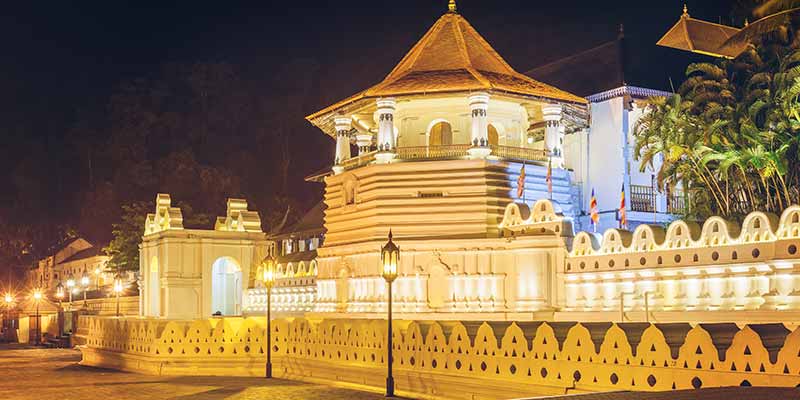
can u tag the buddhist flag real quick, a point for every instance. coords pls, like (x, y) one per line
(623, 219)
(549, 177)
(593, 213)
(521, 182)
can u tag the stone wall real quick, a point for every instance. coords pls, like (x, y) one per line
(457, 359)
(718, 266)
(128, 305)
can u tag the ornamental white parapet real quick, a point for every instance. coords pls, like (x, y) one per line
(238, 218)
(719, 266)
(494, 359)
(166, 217)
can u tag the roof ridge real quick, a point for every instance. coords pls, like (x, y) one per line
(572, 56)
(685, 29)
(410, 59)
(488, 47)
(462, 49)
(456, 60)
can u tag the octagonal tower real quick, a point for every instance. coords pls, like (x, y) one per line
(435, 152)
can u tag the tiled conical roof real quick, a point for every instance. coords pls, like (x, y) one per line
(451, 57)
(701, 37)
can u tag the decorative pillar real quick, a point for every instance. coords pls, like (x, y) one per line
(386, 138)
(479, 138)
(342, 125)
(364, 141)
(553, 133)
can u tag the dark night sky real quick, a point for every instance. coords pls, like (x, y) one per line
(63, 56)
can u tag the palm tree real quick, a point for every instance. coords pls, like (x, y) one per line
(774, 17)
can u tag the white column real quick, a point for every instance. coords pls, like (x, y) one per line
(364, 141)
(553, 134)
(342, 125)
(386, 139)
(479, 138)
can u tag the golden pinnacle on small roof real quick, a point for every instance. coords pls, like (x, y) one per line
(685, 10)
(451, 6)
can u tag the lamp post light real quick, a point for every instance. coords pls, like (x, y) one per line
(390, 256)
(117, 289)
(85, 284)
(60, 297)
(37, 297)
(268, 277)
(70, 287)
(60, 293)
(8, 300)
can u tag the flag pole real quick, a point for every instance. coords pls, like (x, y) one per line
(550, 176)
(523, 181)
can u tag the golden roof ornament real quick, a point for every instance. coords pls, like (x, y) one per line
(451, 6)
(685, 10)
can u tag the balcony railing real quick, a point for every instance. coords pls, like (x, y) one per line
(644, 199)
(677, 202)
(450, 152)
(359, 160)
(445, 152)
(519, 153)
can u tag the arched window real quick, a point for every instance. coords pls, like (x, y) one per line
(441, 134)
(494, 138)
(226, 287)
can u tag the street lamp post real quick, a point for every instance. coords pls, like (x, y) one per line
(70, 287)
(37, 297)
(85, 284)
(60, 297)
(8, 300)
(268, 277)
(97, 272)
(117, 289)
(390, 256)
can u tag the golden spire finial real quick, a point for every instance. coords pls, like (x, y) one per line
(685, 10)
(451, 6)
(746, 22)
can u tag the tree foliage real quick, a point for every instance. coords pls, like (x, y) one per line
(730, 136)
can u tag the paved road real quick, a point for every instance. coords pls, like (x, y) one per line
(45, 374)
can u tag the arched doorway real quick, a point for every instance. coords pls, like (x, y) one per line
(441, 134)
(154, 288)
(494, 138)
(226, 287)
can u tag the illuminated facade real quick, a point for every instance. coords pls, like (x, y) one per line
(436, 153)
(193, 273)
(73, 260)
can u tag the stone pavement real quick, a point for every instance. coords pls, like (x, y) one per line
(45, 374)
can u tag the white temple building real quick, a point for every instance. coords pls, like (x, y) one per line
(451, 151)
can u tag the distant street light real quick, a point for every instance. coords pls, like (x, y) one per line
(60, 297)
(70, 287)
(390, 256)
(97, 272)
(37, 297)
(268, 278)
(8, 301)
(85, 284)
(117, 289)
